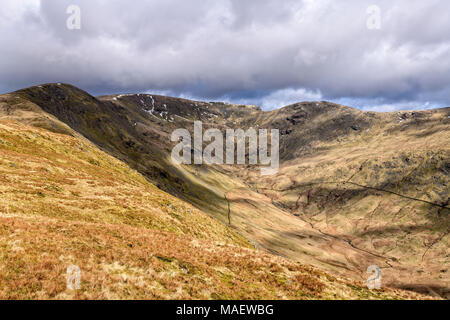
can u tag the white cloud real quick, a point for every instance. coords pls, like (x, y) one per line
(278, 98)
(271, 51)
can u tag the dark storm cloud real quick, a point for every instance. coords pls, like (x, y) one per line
(264, 52)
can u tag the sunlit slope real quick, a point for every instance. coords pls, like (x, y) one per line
(64, 202)
(384, 188)
(317, 210)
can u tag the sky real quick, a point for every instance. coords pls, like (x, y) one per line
(371, 55)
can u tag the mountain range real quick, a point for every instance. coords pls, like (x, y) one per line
(89, 181)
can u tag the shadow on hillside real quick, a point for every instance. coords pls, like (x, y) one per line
(432, 290)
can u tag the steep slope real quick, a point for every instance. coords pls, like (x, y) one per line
(127, 131)
(374, 187)
(64, 202)
(354, 188)
(383, 189)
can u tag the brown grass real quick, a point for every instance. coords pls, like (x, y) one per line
(64, 202)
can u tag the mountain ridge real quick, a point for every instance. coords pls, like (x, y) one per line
(291, 105)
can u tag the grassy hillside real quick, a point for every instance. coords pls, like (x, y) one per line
(64, 202)
(354, 188)
(383, 189)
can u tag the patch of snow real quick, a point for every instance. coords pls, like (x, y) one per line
(123, 95)
(150, 112)
(182, 117)
(153, 102)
